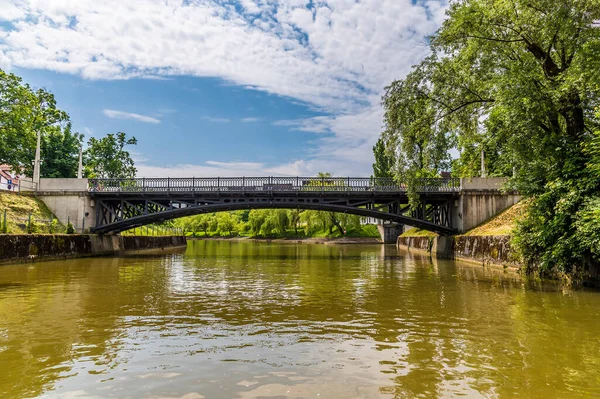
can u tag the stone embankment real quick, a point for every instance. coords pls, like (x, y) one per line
(494, 250)
(32, 247)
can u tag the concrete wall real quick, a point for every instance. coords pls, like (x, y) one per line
(31, 247)
(476, 207)
(71, 206)
(68, 200)
(482, 249)
(63, 185)
(482, 183)
(389, 232)
(480, 200)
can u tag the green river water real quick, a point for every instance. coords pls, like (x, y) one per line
(248, 319)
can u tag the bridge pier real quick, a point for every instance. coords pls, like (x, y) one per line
(390, 232)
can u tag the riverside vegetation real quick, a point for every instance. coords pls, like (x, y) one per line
(276, 223)
(515, 82)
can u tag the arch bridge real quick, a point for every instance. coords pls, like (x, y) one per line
(122, 204)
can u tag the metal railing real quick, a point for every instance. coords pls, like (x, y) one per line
(268, 184)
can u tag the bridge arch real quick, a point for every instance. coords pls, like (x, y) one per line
(157, 217)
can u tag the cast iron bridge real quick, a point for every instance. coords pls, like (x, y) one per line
(123, 204)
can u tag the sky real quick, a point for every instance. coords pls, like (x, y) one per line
(223, 87)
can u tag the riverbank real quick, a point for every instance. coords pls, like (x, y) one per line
(487, 244)
(29, 247)
(485, 250)
(490, 245)
(299, 240)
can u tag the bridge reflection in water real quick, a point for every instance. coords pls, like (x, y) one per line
(122, 204)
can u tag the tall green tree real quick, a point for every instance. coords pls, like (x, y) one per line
(23, 113)
(108, 158)
(517, 79)
(384, 160)
(60, 152)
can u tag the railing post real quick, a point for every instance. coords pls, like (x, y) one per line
(168, 184)
(143, 184)
(243, 184)
(219, 184)
(193, 184)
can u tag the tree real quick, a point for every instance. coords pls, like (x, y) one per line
(518, 80)
(106, 158)
(521, 73)
(202, 222)
(60, 152)
(226, 222)
(384, 161)
(23, 113)
(294, 219)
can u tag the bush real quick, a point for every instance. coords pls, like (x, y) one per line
(53, 227)
(32, 226)
(70, 228)
(561, 231)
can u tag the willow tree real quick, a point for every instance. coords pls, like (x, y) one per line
(517, 79)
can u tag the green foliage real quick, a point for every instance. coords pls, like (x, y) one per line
(273, 223)
(384, 160)
(227, 223)
(517, 80)
(32, 226)
(4, 223)
(53, 227)
(107, 157)
(23, 113)
(60, 152)
(70, 228)
(592, 149)
(561, 230)
(513, 78)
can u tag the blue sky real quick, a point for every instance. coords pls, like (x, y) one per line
(215, 87)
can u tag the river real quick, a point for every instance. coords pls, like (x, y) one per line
(246, 319)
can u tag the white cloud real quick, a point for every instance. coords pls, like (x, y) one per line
(250, 120)
(111, 113)
(12, 9)
(336, 56)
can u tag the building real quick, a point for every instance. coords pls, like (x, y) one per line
(8, 180)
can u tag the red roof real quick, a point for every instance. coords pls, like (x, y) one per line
(5, 171)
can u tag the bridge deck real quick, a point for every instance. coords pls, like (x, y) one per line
(262, 185)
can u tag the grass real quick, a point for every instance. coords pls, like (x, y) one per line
(19, 207)
(416, 232)
(502, 224)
